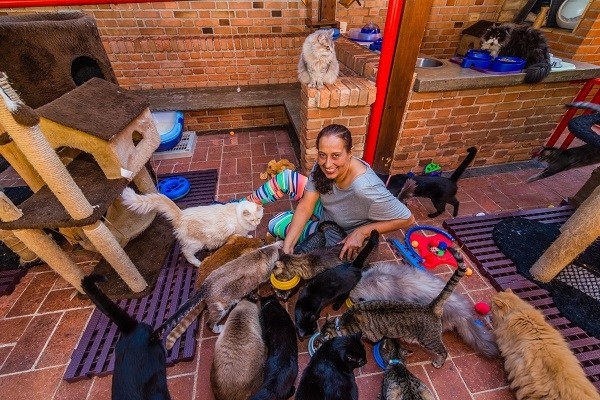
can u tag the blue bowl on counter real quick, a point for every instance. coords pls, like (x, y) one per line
(507, 64)
(476, 58)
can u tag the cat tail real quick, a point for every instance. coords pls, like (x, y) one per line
(177, 323)
(587, 105)
(330, 225)
(124, 321)
(458, 316)
(472, 151)
(366, 251)
(145, 203)
(408, 190)
(536, 72)
(437, 305)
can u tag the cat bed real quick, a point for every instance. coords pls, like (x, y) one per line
(474, 235)
(169, 125)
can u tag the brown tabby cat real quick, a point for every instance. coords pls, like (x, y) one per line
(232, 249)
(240, 354)
(398, 382)
(538, 360)
(392, 319)
(223, 289)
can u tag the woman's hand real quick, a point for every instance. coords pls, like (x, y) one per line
(352, 244)
(288, 246)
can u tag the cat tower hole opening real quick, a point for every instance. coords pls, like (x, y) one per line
(84, 68)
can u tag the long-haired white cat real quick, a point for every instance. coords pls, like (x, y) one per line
(200, 227)
(318, 63)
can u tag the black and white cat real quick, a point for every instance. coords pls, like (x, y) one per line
(521, 41)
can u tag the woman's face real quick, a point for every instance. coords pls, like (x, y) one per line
(333, 158)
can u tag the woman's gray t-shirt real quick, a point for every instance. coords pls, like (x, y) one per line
(366, 200)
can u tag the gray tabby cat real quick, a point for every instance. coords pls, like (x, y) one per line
(415, 323)
(240, 354)
(390, 281)
(318, 63)
(222, 289)
(398, 382)
(307, 265)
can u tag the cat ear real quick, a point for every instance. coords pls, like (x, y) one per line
(509, 290)
(245, 213)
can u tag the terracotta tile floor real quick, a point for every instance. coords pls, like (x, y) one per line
(40, 322)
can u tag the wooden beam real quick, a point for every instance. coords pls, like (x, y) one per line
(412, 28)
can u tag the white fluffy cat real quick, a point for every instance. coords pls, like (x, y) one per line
(200, 227)
(318, 63)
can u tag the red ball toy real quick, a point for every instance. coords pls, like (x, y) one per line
(482, 308)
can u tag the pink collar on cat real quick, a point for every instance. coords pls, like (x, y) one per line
(338, 330)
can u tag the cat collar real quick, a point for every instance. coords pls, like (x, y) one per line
(394, 361)
(338, 330)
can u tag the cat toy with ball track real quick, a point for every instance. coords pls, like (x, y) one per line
(426, 251)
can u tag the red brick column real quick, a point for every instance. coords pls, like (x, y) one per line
(346, 102)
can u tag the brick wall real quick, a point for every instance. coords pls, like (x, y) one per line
(506, 124)
(449, 17)
(583, 43)
(235, 118)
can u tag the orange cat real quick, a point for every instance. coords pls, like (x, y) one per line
(538, 360)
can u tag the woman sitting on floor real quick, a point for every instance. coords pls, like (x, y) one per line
(341, 188)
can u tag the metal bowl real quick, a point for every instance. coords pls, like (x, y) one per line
(426, 62)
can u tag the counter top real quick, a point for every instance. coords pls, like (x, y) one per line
(451, 76)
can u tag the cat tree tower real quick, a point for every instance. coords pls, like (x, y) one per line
(78, 149)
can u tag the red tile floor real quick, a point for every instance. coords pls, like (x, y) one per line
(41, 321)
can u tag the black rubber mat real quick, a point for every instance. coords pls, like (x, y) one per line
(94, 355)
(474, 235)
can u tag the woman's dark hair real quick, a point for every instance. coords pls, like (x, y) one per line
(322, 183)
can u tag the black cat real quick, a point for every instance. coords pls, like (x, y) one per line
(281, 367)
(521, 41)
(330, 372)
(438, 189)
(559, 160)
(140, 359)
(332, 285)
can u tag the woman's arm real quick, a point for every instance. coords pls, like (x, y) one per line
(302, 214)
(354, 241)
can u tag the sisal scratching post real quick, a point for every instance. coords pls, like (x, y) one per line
(39, 243)
(103, 240)
(17, 247)
(12, 154)
(22, 125)
(577, 234)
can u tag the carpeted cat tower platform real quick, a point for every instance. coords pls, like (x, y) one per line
(49, 54)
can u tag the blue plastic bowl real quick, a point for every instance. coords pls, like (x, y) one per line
(478, 54)
(476, 58)
(507, 64)
(474, 62)
(376, 45)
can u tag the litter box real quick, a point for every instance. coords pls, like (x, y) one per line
(170, 127)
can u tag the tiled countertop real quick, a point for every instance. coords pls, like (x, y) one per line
(451, 76)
